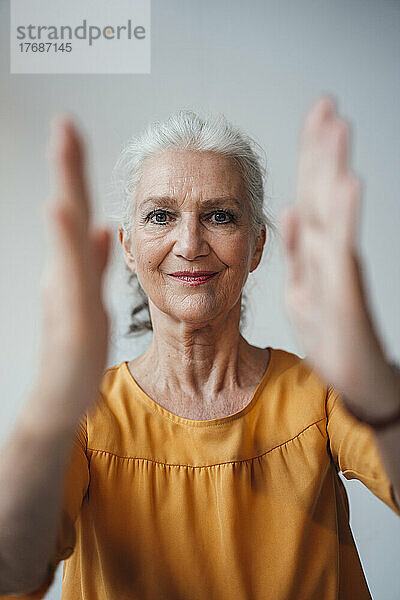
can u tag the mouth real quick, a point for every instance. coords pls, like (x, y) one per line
(196, 278)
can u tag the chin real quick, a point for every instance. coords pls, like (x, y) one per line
(195, 310)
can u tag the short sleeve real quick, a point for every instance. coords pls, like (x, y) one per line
(354, 450)
(76, 484)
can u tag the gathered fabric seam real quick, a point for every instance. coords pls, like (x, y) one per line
(212, 465)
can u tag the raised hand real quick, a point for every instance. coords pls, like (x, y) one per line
(75, 322)
(324, 293)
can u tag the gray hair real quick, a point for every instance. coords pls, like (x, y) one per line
(186, 130)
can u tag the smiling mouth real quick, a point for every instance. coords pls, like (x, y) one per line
(193, 278)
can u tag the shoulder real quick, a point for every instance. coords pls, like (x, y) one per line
(110, 387)
(287, 362)
(295, 376)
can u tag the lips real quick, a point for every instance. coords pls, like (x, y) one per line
(193, 278)
(192, 273)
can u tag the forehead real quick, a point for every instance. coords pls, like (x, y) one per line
(187, 172)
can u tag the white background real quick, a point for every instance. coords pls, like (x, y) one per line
(262, 64)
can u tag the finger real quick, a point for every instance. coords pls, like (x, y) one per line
(101, 247)
(67, 155)
(346, 222)
(334, 146)
(66, 253)
(323, 161)
(310, 155)
(322, 109)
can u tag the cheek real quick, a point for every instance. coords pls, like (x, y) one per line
(149, 254)
(236, 252)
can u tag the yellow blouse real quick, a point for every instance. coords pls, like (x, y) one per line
(244, 507)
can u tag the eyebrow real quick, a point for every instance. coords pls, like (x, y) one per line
(171, 202)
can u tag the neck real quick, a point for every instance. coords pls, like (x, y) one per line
(199, 360)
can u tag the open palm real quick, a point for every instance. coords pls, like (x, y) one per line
(75, 321)
(324, 293)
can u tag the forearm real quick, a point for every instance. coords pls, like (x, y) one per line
(382, 401)
(32, 467)
(388, 440)
(389, 446)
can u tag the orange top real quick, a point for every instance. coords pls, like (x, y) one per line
(244, 506)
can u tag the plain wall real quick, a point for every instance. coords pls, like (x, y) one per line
(261, 63)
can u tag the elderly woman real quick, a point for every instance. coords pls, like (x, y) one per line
(207, 467)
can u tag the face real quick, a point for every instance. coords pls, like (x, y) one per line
(191, 214)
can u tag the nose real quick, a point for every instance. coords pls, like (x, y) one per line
(190, 242)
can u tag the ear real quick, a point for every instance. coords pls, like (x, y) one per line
(258, 250)
(126, 248)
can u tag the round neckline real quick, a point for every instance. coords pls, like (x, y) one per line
(163, 412)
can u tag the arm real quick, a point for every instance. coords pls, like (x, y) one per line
(33, 462)
(325, 294)
(388, 444)
(32, 467)
(387, 389)
(388, 441)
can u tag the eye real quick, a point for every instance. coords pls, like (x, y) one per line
(217, 217)
(223, 216)
(158, 217)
